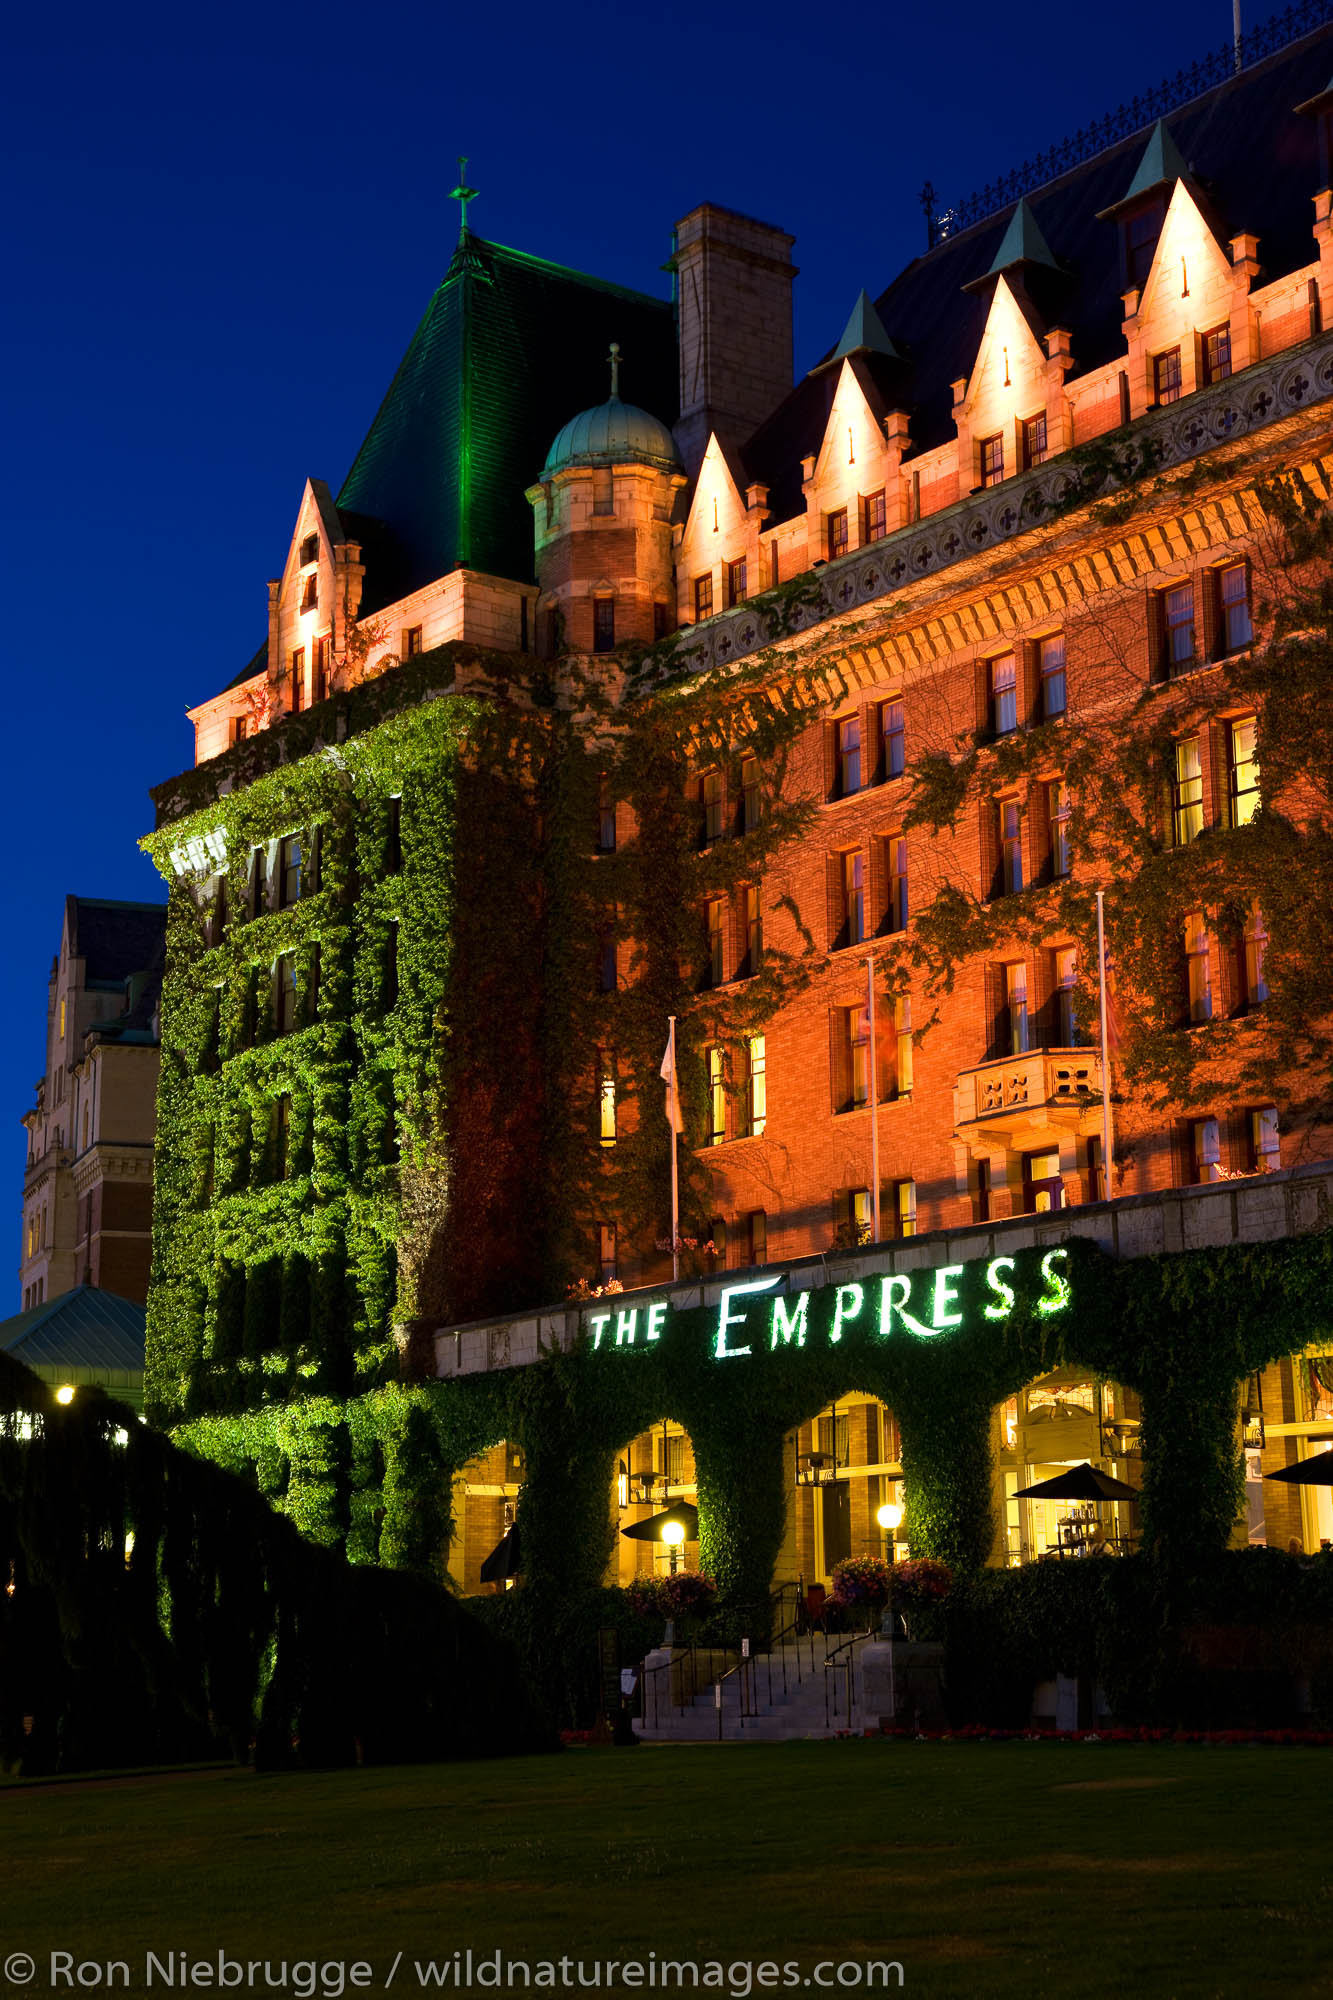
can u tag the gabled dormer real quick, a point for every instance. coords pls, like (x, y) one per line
(312, 605)
(1179, 322)
(717, 558)
(852, 485)
(1141, 210)
(1000, 409)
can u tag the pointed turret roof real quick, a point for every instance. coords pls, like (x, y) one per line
(1159, 164)
(1023, 243)
(864, 333)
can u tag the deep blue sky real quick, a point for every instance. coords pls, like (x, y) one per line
(224, 224)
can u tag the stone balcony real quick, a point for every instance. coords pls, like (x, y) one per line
(1028, 1102)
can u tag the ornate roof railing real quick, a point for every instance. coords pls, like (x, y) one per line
(1168, 96)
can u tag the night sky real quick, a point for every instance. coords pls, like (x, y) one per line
(224, 225)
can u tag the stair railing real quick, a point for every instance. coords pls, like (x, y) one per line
(840, 1660)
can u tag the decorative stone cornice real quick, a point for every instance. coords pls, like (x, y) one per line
(1242, 405)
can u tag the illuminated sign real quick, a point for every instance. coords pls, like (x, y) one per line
(922, 1305)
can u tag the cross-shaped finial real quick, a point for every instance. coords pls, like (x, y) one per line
(614, 358)
(462, 194)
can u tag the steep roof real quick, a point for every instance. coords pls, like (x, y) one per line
(115, 940)
(1255, 161)
(509, 348)
(84, 1328)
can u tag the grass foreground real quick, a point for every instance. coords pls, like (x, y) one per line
(982, 1869)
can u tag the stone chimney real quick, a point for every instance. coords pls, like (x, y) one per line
(733, 279)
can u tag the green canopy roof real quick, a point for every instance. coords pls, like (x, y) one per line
(86, 1328)
(509, 347)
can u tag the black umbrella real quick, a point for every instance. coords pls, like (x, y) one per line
(1316, 1471)
(505, 1559)
(1080, 1482)
(651, 1530)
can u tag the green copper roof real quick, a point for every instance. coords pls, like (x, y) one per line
(508, 346)
(1161, 162)
(864, 333)
(84, 1328)
(613, 434)
(1023, 243)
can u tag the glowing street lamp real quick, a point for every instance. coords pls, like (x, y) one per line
(890, 1518)
(673, 1534)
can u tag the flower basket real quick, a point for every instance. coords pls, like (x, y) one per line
(862, 1583)
(920, 1585)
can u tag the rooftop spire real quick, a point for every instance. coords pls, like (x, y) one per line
(462, 194)
(614, 358)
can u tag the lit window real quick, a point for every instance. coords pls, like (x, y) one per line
(1198, 972)
(1166, 376)
(904, 1208)
(852, 877)
(1178, 613)
(756, 1087)
(837, 534)
(992, 459)
(1205, 1151)
(1265, 1145)
(1255, 946)
(289, 871)
(1234, 597)
(296, 696)
(856, 1226)
(851, 1081)
(1004, 695)
(1011, 847)
(849, 755)
(703, 596)
(309, 551)
(1051, 664)
(1034, 440)
(902, 1044)
(1066, 983)
(1216, 355)
(892, 740)
(411, 642)
(1057, 806)
(603, 624)
(873, 519)
(711, 796)
(1017, 1019)
(715, 911)
(754, 932)
(606, 1102)
(736, 591)
(717, 1098)
(1043, 1184)
(895, 856)
(1187, 793)
(1242, 770)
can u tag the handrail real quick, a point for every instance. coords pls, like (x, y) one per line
(832, 1659)
(745, 1668)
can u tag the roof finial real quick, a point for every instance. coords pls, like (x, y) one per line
(614, 358)
(462, 194)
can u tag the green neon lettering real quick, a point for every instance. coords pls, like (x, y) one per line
(656, 1320)
(599, 1323)
(854, 1297)
(726, 1317)
(625, 1323)
(1004, 1294)
(945, 1295)
(894, 1293)
(1056, 1296)
(785, 1323)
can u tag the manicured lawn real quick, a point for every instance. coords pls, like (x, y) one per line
(1045, 1871)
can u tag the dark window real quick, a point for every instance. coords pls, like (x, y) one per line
(284, 994)
(1178, 617)
(1051, 669)
(603, 624)
(1064, 968)
(1242, 770)
(1233, 592)
(258, 882)
(606, 959)
(849, 755)
(895, 863)
(1186, 792)
(296, 700)
(289, 871)
(892, 740)
(240, 728)
(852, 899)
(1166, 376)
(310, 592)
(756, 1229)
(1004, 695)
(1141, 234)
(393, 845)
(992, 459)
(1034, 440)
(874, 525)
(750, 794)
(736, 582)
(1216, 355)
(411, 642)
(837, 534)
(703, 596)
(712, 801)
(309, 551)
(715, 916)
(606, 816)
(320, 664)
(753, 915)
(606, 1251)
(983, 1191)
(1011, 847)
(661, 621)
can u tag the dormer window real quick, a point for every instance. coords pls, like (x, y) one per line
(1141, 232)
(1215, 355)
(736, 582)
(992, 459)
(1034, 441)
(837, 534)
(309, 551)
(310, 592)
(1166, 376)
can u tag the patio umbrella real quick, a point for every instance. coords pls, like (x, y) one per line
(1080, 1482)
(682, 1513)
(505, 1559)
(1316, 1471)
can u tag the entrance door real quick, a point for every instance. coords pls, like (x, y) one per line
(1043, 1188)
(836, 1519)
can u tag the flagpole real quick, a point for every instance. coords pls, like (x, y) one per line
(1106, 1066)
(874, 1098)
(675, 1168)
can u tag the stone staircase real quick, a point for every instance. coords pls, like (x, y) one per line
(755, 1706)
